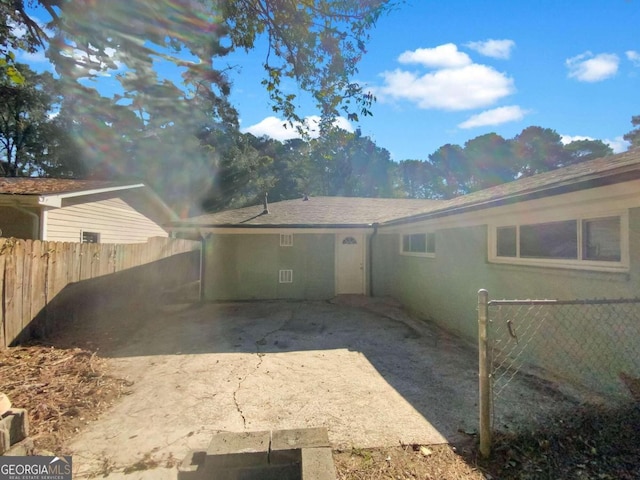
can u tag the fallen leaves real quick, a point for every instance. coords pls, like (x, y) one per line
(61, 388)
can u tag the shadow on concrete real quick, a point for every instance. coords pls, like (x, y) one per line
(432, 370)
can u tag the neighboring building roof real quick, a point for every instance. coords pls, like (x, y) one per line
(57, 186)
(356, 211)
(50, 191)
(315, 212)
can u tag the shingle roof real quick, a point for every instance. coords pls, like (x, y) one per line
(318, 211)
(606, 170)
(51, 186)
(345, 211)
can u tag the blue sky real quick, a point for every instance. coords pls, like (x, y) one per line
(448, 71)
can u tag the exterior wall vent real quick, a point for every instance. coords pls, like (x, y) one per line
(286, 276)
(286, 239)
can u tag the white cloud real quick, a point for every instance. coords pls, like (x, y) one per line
(279, 129)
(567, 139)
(618, 144)
(497, 116)
(442, 56)
(633, 56)
(493, 48)
(472, 86)
(33, 57)
(593, 68)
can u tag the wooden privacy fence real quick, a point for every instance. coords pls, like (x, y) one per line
(34, 275)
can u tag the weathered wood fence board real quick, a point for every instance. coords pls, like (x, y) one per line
(34, 273)
(2, 337)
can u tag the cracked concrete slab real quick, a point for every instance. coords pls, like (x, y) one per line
(366, 371)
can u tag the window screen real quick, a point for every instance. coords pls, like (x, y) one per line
(601, 239)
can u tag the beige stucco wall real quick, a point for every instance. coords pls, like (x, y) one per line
(119, 217)
(444, 290)
(246, 266)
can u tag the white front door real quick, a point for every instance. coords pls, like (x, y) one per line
(350, 261)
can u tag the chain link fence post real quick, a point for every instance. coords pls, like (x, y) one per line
(483, 374)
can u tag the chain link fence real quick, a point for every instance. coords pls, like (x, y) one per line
(591, 346)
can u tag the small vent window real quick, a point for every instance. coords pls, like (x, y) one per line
(286, 276)
(90, 237)
(349, 241)
(286, 239)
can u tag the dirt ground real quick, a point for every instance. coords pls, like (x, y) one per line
(364, 369)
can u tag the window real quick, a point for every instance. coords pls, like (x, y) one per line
(419, 244)
(90, 237)
(507, 241)
(349, 241)
(549, 240)
(582, 243)
(285, 276)
(286, 239)
(601, 239)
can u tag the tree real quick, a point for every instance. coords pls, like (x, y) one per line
(415, 178)
(538, 150)
(240, 173)
(153, 129)
(583, 150)
(27, 130)
(634, 135)
(449, 171)
(490, 161)
(318, 43)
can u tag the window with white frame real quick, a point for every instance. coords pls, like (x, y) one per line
(286, 239)
(420, 244)
(596, 242)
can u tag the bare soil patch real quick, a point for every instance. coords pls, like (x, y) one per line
(589, 443)
(441, 462)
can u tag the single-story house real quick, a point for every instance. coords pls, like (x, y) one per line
(69, 210)
(569, 233)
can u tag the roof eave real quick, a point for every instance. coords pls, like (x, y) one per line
(590, 181)
(176, 225)
(55, 199)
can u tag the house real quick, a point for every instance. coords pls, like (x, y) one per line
(568, 233)
(572, 233)
(308, 248)
(69, 210)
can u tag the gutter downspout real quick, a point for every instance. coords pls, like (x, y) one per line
(375, 232)
(203, 242)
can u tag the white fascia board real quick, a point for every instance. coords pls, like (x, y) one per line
(55, 200)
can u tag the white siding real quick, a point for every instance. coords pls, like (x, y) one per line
(119, 217)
